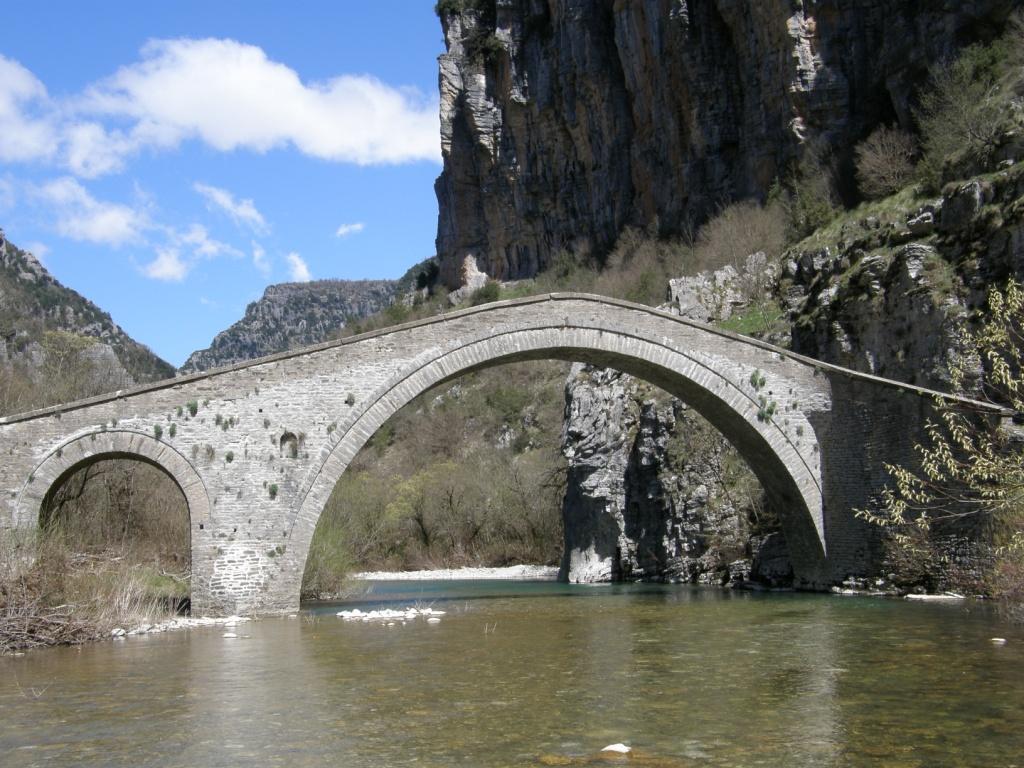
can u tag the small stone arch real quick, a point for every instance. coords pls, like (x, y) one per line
(289, 445)
(84, 449)
(791, 475)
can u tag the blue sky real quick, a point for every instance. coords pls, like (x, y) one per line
(169, 161)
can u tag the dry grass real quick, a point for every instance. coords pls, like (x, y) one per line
(50, 595)
(113, 550)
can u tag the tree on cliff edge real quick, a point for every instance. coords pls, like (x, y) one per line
(971, 467)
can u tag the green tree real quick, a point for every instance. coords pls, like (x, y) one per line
(971, 466)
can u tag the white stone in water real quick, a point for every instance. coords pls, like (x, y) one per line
(387, 614)
(433, 620)
(937, 598)
(620, 748)
(117, 632)
(998, 641)
(229, 634)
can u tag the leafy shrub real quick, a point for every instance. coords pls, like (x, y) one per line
(272, 491)
(488, 292)
(810, 199)
(968, 104)
(158, 431)
(885, 162)
(193, 407)
(739, 230)
(483, 47)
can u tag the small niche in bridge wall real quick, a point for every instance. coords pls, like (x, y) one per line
(289, 445)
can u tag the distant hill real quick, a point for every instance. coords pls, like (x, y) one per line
(33, 302)
(297, 314)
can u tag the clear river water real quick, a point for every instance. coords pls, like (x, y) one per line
(536, 674)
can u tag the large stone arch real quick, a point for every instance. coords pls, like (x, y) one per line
(788, 467)
(84, 449)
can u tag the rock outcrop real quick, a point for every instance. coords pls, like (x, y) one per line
(292, 315)
(889, 292)
(653, 491)
(564, 121)
(33, 302)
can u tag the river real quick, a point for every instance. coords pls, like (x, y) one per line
(533, 674)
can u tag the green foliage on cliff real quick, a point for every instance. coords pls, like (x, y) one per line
(33, 303)
(971, 107)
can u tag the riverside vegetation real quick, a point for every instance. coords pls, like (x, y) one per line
(471, 473)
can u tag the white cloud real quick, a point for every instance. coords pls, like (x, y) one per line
(242, 211)
(299, 269)
(24, 136)
(204, 246)
(231, 96)
(167, 266)
(227, 94)
(91, 150)
(259, 259)
(350, 229)
(80, 216)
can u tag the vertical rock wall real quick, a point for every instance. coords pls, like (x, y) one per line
(653, 491)
(564, 120)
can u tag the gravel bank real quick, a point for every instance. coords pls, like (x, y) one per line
(511, 573)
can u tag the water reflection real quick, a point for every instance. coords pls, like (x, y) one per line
(537, 675)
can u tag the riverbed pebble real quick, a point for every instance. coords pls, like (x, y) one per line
(511, 573)
(620, 748)
(998, 641)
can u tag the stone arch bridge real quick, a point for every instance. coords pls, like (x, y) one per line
(257, 448)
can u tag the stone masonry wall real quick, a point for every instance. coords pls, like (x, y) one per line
(264, 496)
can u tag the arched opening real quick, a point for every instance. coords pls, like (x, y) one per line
(750, 400)
(109, 521)
(467, 474)
(116, 529)
(583, 468)
(289, 446)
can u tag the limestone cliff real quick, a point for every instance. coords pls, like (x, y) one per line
(653, 492)
(32, 302)
(564, 120)
(292, 315)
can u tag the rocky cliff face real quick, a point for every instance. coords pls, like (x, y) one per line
(653, 492)
(886, 292)
(563, 121)
(32, 302)
(292, 315)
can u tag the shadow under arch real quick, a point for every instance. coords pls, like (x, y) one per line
(791, 480)
(85, 449)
